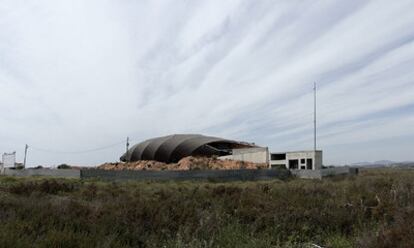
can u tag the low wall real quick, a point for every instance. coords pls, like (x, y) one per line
(335, 171)
(319, 174)
(254, 155)
(221, 175)
(307, 174)
(71, 173)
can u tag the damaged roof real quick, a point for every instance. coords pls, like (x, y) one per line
(172, 148)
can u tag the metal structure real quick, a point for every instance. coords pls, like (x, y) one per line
(172, 148)
(25, 155)
(314, 117)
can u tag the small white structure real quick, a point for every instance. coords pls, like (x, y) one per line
(297, 160)
(8, 161)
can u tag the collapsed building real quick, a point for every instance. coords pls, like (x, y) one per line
(173, 148)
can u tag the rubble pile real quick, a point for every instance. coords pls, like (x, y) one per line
(187, 163)
(206, 163)
(138, 165)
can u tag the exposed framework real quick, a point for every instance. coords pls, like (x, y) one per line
(172, 148)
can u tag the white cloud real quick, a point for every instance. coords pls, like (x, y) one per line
(78, 75)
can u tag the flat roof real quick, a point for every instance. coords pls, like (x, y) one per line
(296, 151)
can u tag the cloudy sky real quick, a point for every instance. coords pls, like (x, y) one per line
(80, 75)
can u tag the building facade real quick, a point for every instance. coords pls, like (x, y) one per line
(293, 160)
(258, 155)
(297, 160)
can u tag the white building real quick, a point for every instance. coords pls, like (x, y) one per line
(297, 160)
(294, 160)
(8, 160)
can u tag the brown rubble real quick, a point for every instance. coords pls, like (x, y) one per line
(187, 163)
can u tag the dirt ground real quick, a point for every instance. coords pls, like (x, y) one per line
(187, 163)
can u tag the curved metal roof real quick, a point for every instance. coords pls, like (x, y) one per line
(172, 148)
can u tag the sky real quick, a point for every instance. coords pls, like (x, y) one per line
(77, 77)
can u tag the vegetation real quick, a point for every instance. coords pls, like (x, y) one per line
(18, 167)
(64, 166)
(375, 209)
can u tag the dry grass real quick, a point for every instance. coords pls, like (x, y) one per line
(374, 209)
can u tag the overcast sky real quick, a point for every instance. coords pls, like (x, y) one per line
(78, 75)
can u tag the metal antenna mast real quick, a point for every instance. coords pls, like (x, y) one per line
(25, 155)
(314, 116)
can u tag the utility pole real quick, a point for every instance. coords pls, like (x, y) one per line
(127, 150)
(314, 117)
(25, 155)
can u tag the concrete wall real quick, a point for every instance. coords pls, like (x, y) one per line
(318, 160)
(335, 171)
(319, 174)
(220, 175)
(255, 155)
(70, 173)
(307, 174)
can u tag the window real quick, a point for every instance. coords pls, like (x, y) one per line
(302, 161)
(309, 164)
(294, 164)
(278, 156)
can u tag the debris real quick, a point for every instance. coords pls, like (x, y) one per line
(187, 163)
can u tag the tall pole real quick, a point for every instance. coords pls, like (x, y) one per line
(314, 116)
(25, 155)
(127, 149)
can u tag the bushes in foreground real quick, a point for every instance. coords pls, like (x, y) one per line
(374, 209)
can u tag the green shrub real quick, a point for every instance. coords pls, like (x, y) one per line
(64, 166)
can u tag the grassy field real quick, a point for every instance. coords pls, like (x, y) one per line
(374, 209)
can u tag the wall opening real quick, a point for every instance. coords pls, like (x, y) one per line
(278, 156)
(294, 164)
(309, 164)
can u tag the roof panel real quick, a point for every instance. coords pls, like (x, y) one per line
(164, 151)
(174, 147)
(151, 149)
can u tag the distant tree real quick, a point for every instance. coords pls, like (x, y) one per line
(63, 166)
(19, 167)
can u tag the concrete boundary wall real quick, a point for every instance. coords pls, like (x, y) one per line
(307, 174)
(319, 174)
(221, 175)
(70, 173)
